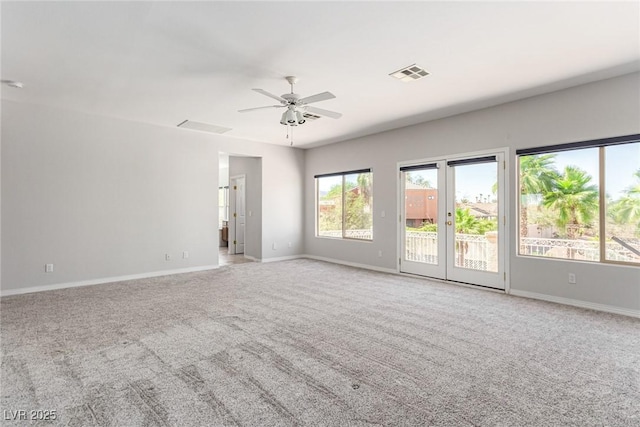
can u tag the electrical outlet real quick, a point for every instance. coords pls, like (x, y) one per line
(167, 257)
(48, 268)
(185, 254)
(289, 244)
(274, 246)
(379, 253)
(572, 278)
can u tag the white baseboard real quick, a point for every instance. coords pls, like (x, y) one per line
(577, 303)
(8, 292)
(350, 264)
(282, 258)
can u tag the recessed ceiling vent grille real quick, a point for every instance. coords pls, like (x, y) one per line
(203, 127)
(310, 116)
(410, 73)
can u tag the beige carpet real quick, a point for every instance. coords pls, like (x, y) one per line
(310, 343)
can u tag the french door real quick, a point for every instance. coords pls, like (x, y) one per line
(453, 219)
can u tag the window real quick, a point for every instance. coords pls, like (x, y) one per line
(223, 206)
(581, 201)
(344, 203)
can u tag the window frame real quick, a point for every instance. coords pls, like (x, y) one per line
(343, 175)
(601, 144)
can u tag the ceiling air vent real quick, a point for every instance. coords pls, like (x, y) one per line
(203, 127)
(310, 116)
(410, 73)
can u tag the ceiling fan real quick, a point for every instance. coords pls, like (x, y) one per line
(296, 106)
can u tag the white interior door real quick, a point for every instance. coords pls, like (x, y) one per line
(453, 219)
(238, 195)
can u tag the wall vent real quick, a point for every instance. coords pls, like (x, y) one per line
(410, 73)
(310, 116)
(203, 127)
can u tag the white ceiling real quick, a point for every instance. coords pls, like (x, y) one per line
(164, 62)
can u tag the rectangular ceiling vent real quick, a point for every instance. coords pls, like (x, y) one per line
(203, 127)
(310, 116)
(410, 73)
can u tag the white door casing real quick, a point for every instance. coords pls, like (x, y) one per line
(237, 214)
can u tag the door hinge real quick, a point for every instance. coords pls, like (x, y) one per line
(504, 220)
(235, 187)
(505, 276)
(235, 242)
(234, 214)
(399, 260)
(504, 164)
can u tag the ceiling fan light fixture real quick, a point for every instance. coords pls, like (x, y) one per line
(300, 117)
(283, 120)
(291, 116)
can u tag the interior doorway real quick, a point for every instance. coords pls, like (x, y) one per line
(453, 219)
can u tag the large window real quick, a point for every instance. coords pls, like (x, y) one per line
(344, 203)
(581, 201)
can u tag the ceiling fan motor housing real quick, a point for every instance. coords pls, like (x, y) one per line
(292, 98)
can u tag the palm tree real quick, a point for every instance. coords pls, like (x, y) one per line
(465, 222)
(364, 183)
(573, 199)
(537, 175)
(627, 209)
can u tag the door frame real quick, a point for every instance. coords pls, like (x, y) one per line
(232, 209)
(505, 238)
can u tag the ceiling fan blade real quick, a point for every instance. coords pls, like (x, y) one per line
(260, 108)
(324, 112)
(317, 97)
(270, 95)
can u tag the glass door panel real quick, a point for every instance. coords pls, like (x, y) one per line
(474, 224)
(422, 212)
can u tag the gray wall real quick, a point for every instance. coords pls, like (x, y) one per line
(602, 109)
(106, 198)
